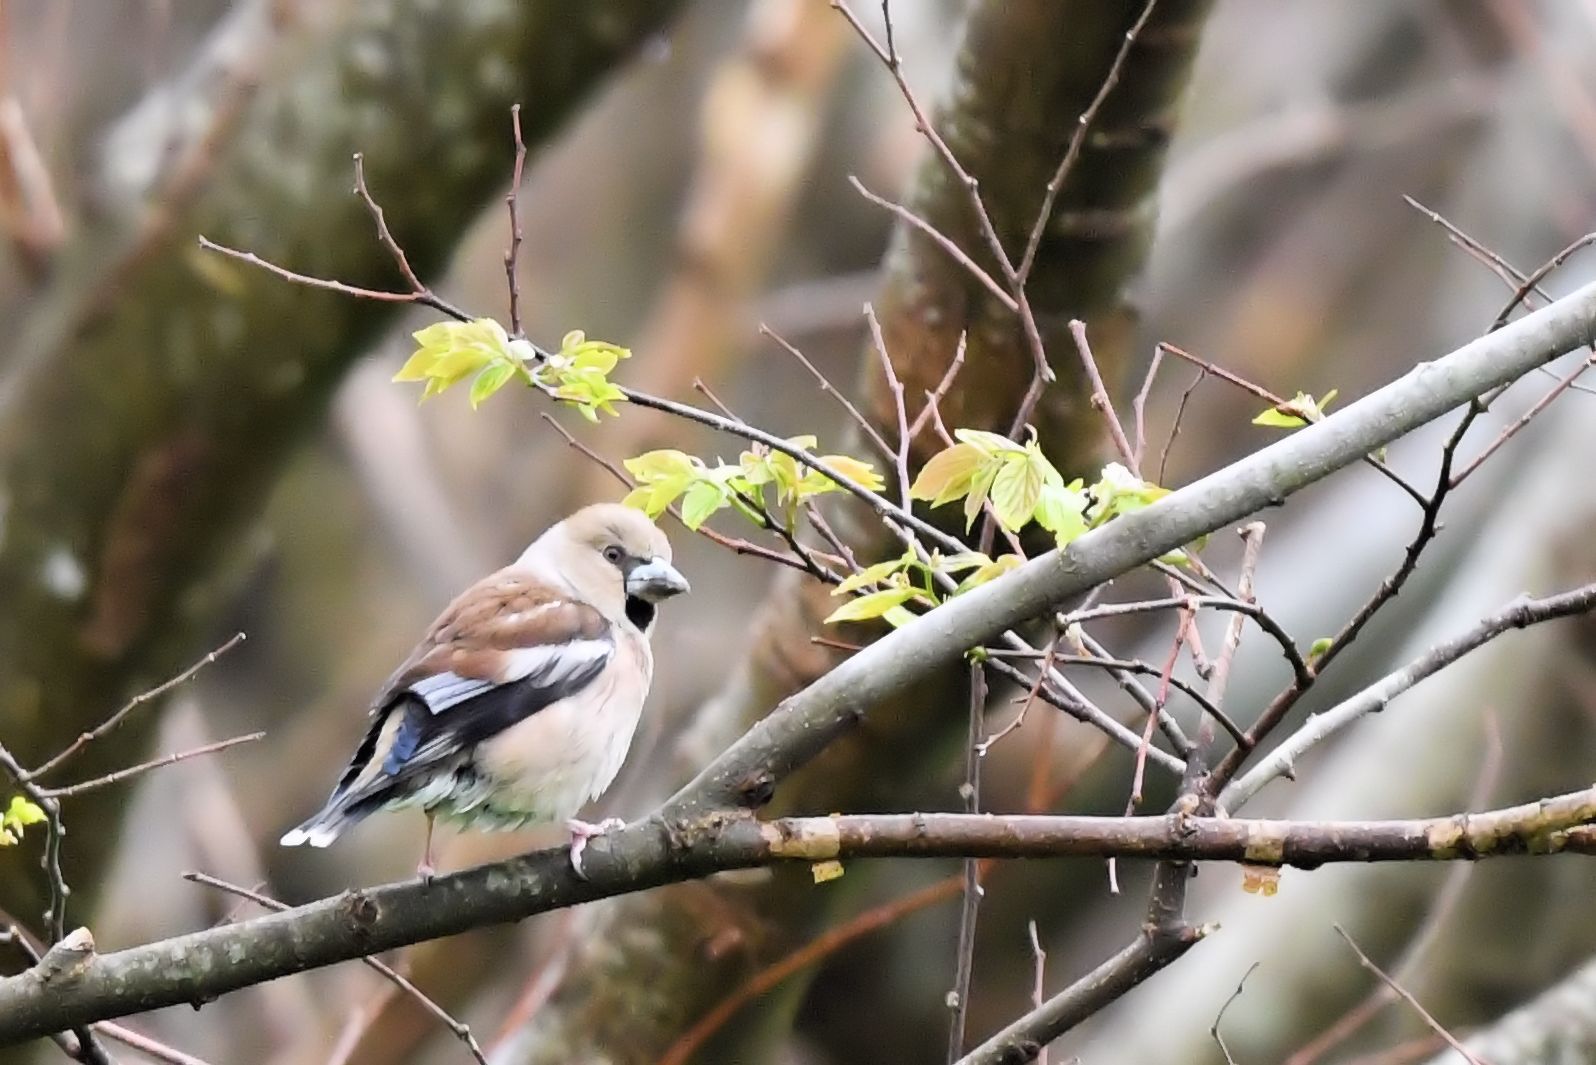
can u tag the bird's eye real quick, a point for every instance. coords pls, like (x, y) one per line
(613, 554)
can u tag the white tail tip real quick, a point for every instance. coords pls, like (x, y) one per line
(315, 837)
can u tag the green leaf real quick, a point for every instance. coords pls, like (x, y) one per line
(991, 443)
(16, 817)
(490, 381)
(1061, 510)
(979, 487)
(1319, 647)
(898, 617)
(991, 571)
(1118, 491)
(1296, 412)
(701, 500)
(873, 605)
(874, 574)
(962, 561)
(860, 473)
(1015, 491)
(449, 352)
(949, 474)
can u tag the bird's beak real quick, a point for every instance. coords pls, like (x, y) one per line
(654, 580)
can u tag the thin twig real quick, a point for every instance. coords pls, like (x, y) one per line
(426, 298)
(1025, 701)
(511, 202)
(1077, 140)
(133, 704)
(1038, 978)
(901, 458)
(1213, 1029)
(942, 240)
(1139, 408)
(1260, 616)
(1086, 712)
(461, 1030)
(1274, 401)
(1174, 426)
(1407, 997)
(1521, 613)
(964, 966)
(1563, 385)
(933, 399)
(864, 424)
(68, 791)
(1099, 398)
(1433, 926)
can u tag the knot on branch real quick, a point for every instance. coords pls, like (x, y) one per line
(67, 958)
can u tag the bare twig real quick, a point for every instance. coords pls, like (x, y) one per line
(901, 458)
(133, 704)
(511, 202)
(68, 791)
(1563, 384)
(1407, 997)
(942, 240)
(1038, 978)
(1139, 409)
(865, 425)
(1100, 401)
(933, 399)
(1273, 400)
(964, 966)
(1174, 425)
(461, 1031)
(1072, 152)
(1213, 1029)
(1520, 613)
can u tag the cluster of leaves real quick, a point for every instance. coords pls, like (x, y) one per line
(1022, 487)
(16, 817)
(449, 352)
(764, 480)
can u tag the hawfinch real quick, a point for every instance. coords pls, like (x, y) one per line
(520, 703)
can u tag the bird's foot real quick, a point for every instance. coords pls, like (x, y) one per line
(581, 832)
(426, 871)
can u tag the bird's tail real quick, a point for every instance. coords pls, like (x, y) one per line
(324, 826)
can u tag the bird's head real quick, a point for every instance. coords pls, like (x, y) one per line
(616, 557)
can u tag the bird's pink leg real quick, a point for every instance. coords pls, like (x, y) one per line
(427, 870)
(581, 832)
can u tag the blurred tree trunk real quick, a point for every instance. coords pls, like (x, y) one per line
(153, 398)
(646, 967)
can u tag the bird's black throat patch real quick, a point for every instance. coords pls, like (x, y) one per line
(639, 612)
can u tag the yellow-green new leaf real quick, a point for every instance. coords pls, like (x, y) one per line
(874, 574)
(1015, 491)
(16, 817)
(1061, 510)
(873, 605)
(991, 443)
(490, 381)
(701, 500)
(949, 474)
(860, 473)
(990, 572)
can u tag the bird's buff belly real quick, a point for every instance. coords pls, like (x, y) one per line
(543, 769)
